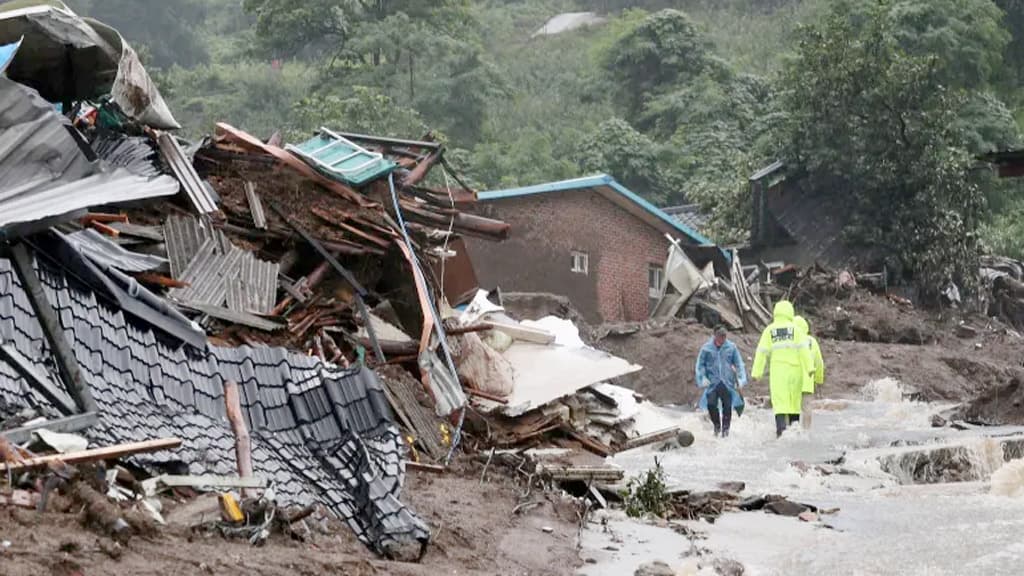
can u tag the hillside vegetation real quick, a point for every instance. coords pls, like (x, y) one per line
(885, 103)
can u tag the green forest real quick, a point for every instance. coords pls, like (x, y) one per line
(885, 103)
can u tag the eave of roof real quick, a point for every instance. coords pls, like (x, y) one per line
(607, 186)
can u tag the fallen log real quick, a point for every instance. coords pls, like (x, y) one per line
(582, 473)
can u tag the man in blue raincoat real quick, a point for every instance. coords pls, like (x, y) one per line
(720, 372)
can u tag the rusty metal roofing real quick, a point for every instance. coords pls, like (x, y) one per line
(182, 167)
(101, 250)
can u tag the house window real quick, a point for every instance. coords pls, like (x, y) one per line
(655, 279)
(580, 262)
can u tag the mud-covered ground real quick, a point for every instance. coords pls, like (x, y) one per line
(473, 527)
(863, 338)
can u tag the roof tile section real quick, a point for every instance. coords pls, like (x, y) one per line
(319, 433)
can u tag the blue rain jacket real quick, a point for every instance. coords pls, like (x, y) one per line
(721, 365)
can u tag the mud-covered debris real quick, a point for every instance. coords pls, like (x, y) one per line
(656, 568)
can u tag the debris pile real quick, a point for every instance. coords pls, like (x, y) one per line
(288, 325)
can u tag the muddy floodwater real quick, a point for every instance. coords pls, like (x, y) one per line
(912, 499)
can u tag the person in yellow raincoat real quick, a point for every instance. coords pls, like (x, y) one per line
(783, 350)
(818, 377)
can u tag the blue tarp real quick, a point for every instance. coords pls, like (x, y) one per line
(7, 52)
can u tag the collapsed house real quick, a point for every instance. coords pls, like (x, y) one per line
(239, 305)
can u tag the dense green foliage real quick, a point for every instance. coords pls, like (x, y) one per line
(884, 103)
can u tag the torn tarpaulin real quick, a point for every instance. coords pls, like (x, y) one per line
(319, 433)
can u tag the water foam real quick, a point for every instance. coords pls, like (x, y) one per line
(1009, 480)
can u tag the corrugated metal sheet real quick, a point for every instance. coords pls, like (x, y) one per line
(236, 317)
(184, 236)
(103, 251)
(43, 172)
(186, 173)
(259, 218)
(254, 289)
(319, 433)
(134, 153)
(207, 275)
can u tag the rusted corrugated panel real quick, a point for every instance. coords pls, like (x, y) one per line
(254, 288)
(207, 275)
(186, 174)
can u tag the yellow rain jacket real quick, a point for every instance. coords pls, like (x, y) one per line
(819, 362)
(784, 351)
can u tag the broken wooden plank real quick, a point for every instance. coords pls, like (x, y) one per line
(581, 473)
(519, 332)
(589, 443)
(152, 485)
(105, 229)
(485, 395)
(74, 423)
(96, 454)
(653, 437)
(259, 218)
(243, 446)
(103, 218)
(160, 280)
(432, 468)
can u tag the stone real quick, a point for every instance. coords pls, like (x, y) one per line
(728, 567)
(967, 332)
(785, 508)
(733, 487)
(656, 568)
(938, 421)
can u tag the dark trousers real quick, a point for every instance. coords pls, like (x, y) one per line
(720, 393)
(784, 420)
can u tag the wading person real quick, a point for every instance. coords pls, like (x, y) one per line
(783, 351)
(810, 384)
(720, 372)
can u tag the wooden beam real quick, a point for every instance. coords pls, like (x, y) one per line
(96, 454)
(243, 445)
(67, 363)
(653, 437)
(69, 424)
(38, 379)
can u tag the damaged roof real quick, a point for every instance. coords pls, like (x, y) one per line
(319, 433)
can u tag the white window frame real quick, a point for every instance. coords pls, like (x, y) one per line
(580, 262)
(659, 275)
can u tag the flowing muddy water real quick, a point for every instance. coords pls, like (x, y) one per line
(912, 499)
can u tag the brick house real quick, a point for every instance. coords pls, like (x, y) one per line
(589, 239)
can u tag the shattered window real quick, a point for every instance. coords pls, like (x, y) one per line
(655, 279)
(580, 262)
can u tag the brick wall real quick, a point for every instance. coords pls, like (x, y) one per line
(547, 228)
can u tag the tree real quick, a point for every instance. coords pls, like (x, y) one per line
(616, 148)
(664, 50)
(878, 123)
(363, 110)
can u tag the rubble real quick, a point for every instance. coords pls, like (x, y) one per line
(267, 323)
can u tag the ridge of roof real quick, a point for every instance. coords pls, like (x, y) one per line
(597, 181)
